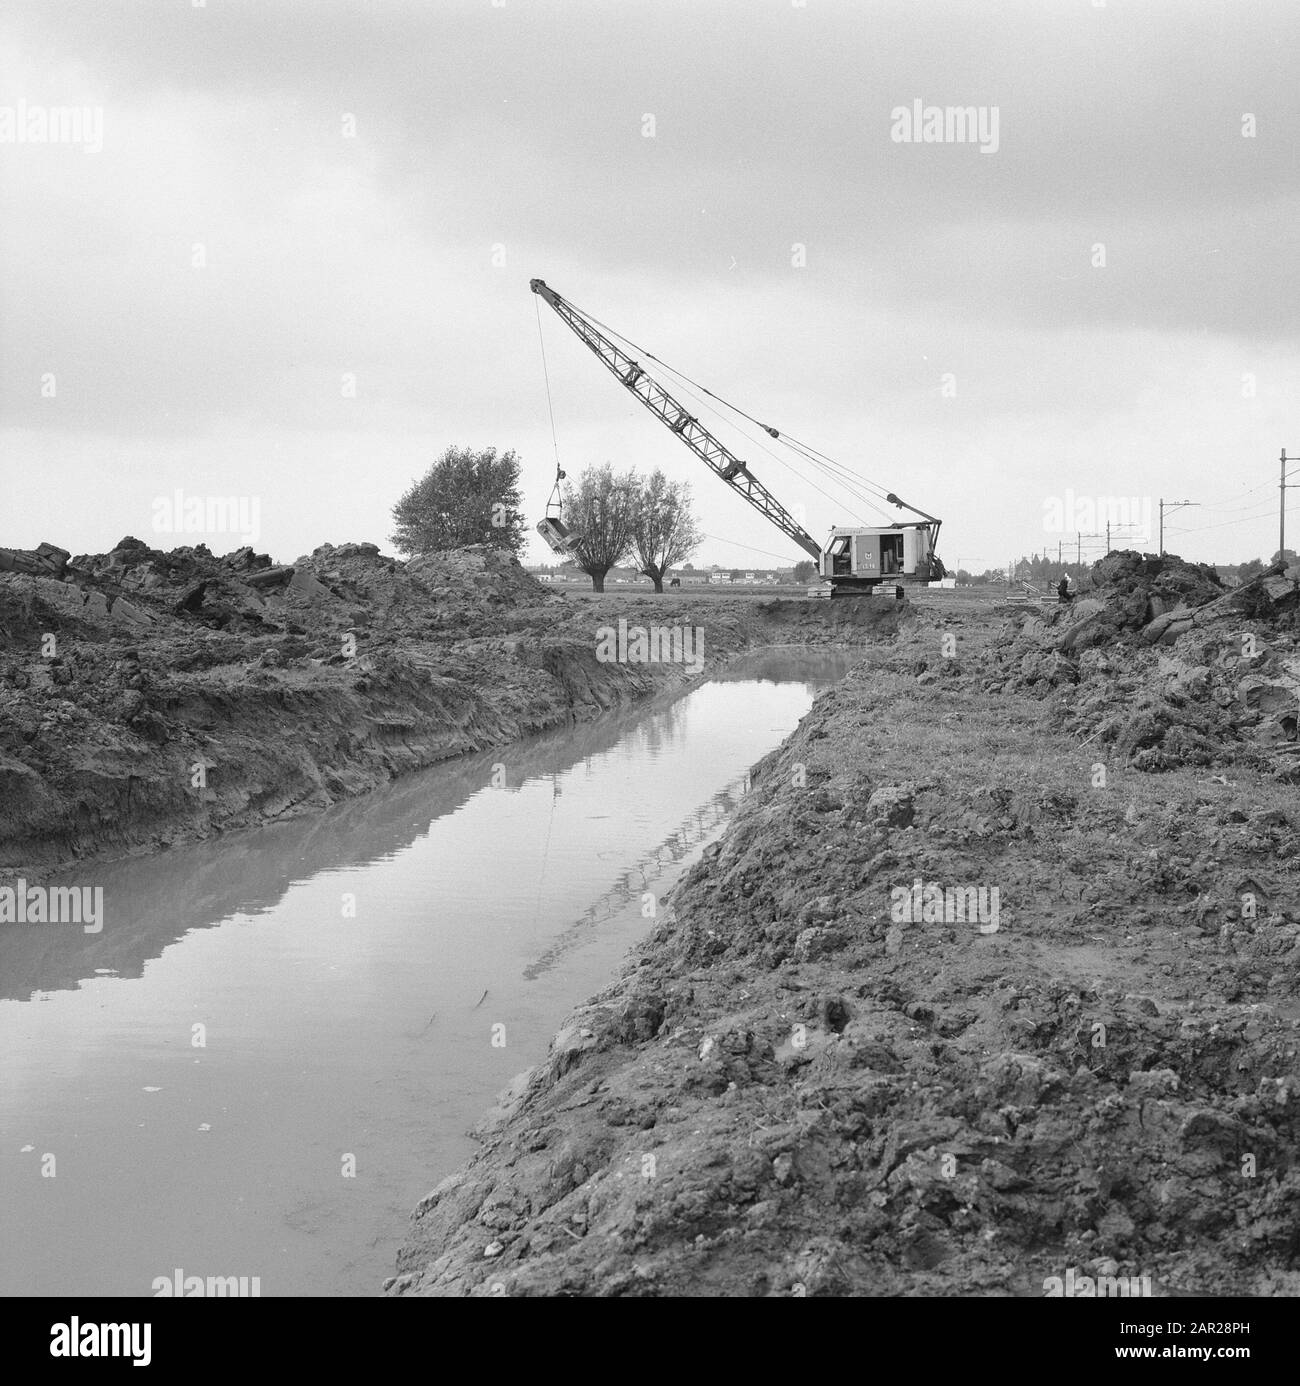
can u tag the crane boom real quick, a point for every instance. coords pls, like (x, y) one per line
(716, 456)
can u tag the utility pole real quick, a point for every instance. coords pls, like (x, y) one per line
(1123, 526)
(1282, 489)
(1078, 549)
(1171, 506)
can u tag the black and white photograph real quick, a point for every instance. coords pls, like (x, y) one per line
(650, 649)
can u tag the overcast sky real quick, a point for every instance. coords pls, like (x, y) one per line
(298, 266)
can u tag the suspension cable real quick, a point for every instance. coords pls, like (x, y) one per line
(735, 543)
(757, 442)
(840, 472)
(546, 376)
(835, 472)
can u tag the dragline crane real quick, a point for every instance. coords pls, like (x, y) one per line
(854, 559)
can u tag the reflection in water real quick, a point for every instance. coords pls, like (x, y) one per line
(248, 873)
(195, 887)
(698, 826)
(262, 1008)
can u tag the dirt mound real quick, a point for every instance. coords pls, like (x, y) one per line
(1167, 577)
(1130, 590)
(1158, 666)
(122, 671)
(1160, 599)
(479, 580)
(334, 589)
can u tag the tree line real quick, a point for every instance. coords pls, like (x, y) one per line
(473, 496)
(1040, 569)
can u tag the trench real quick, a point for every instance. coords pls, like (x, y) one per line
(279, 1040)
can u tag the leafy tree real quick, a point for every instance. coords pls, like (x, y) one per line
(664, 530)
(466, 497)
(805, 571)
(601, 513)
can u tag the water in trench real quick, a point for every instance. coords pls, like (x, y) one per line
(277, 1043)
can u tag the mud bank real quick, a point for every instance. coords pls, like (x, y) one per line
(819, 1077)
(148, 698)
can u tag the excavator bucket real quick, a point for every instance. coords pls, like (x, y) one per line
(558, 536)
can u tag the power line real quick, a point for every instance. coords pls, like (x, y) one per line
(718, 539)
(1233, 503)
(1235, 506)
(1240, 495)
(1220, 524)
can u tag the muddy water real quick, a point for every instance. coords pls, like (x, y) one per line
(276, 1044)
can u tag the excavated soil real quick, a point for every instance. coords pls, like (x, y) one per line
(149, 697)
(804, 1086)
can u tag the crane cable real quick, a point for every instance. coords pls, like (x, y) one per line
(780, 461)
(847, 485)
(845, 476)
(749, 548)
(556, 498)
(848, 482)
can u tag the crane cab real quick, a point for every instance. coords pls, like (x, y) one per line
(857, 560)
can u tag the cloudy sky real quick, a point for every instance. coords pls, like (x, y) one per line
(298, 267)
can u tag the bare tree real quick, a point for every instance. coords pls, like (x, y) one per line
(665, 531)
(601, 513)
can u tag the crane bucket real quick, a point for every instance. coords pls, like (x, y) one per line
(558, 535)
